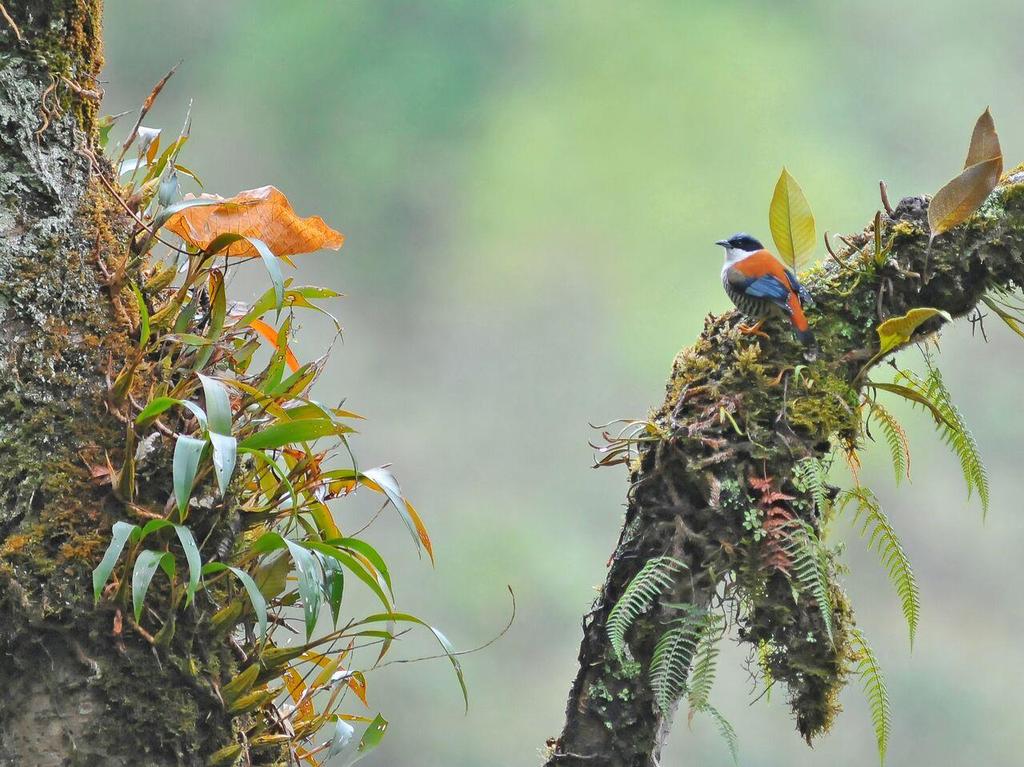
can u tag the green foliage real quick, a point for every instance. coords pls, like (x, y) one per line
(725, 729)
(252, 463)
(643, 590)
(809, 559)
(866, 665)
(895, 439)
(673, 654)
(883, 539)
(952, 427)
(810, 476)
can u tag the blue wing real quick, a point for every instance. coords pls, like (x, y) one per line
(766, 287)
(800, 290)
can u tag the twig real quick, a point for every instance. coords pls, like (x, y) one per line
(143, 111)
(10, 21)
(884, 191)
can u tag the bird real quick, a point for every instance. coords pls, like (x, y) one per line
(760, 285)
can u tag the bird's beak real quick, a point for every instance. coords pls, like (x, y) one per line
(723, 243)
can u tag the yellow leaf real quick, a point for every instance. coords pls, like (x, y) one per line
(897, 331)
(791, 222)
(264, 214)
(984, 141)
(961, 197)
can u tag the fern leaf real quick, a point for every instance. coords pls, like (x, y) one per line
(895, 438)
(726, 730)
(810, 476)
(866, 665)
(653, 578)
(883, 539)
(673, 654)
(705, 663)
(953, 429)
(810, 568)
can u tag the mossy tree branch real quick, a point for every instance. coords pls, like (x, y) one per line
(80, 687)
(735, 412)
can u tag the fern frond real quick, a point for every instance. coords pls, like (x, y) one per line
(811, 476)
(810, 568)
(705, 663)
(726, 730)
(895, 438)
(673, 654)
(953, 429)
(881, 537)
(653, 578)
(866, 665)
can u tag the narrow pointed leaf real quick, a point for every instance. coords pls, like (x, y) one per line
(218, 405)
(120, 534)
(146, 565)
(984, 141)
(192, 557)
(187, 452)
(225, 452)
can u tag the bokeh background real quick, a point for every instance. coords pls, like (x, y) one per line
(530, 192)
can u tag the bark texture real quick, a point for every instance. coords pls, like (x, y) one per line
(74, 694)
(734, 423)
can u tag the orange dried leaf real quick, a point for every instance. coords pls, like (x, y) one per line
(271, 335)
(264, 214)
(357, 684)
(421, 530)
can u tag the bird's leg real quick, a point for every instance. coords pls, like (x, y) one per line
(752, 330)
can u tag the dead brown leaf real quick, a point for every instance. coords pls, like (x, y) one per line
(264, 214)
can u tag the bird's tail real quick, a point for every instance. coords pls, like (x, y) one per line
(810, 344)
(803, 329)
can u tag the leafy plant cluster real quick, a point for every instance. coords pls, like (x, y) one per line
(232, 468)
(781, 575)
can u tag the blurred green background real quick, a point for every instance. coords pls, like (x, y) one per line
(530, 192)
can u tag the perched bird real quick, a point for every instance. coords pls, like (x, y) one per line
(760, 285)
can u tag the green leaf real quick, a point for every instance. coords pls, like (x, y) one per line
(651, 580)
(374, 735)
(120, 534)
(334, 586)
(152, 410)
(897, 331)
(146, 565)
(368, 551)
(195, 561)
(225, 451)
(791, 223)
(259, 604)
(306, 566)
(446, 646)
(289, 432)
(218, 405)
(353, 565)
(144, 331)
(187, 453)
(273, 269)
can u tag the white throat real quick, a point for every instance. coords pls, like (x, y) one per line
(733, 256)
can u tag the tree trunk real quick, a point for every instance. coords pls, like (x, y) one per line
(735, 412)
(77, 691)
